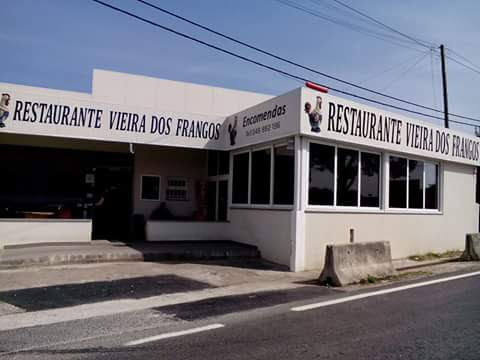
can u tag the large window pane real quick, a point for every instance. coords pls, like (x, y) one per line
(347, 179)
(240, 179)
(415, 184)
(398, 182)
(321, 179)
(283, 179)
(223, 162)
(370, 180)
(212, 162)
(261, 163)
(431, 186)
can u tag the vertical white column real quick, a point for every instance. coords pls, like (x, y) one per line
(297, 257)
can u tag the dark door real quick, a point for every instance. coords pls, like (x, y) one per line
(112, 203)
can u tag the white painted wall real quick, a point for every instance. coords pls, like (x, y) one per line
(137, 90)
(269, 230)
(186, 230)
(35, 231)
(408, 234)
(168, 161)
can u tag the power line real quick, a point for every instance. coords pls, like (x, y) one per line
(156, 7)
(368, 32)
(399, 65)
(406, 71)
(418, 41)
(125, 12)
(464, 65)
(463, 58)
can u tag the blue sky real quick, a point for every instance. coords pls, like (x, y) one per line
(57, 44)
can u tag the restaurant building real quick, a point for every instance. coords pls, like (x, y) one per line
(150, 158)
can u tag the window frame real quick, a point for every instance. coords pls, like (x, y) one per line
(407, 209)
(335, 207)
(249, 205)
(185, 188)
(159, 186)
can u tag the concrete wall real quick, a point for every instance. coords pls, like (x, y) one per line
(136, 90)
(186, 230)
(34, 231)
(408, 234)
(269, 230)
(168, 161)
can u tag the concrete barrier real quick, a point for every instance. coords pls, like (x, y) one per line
(472, 248)
(350, 263)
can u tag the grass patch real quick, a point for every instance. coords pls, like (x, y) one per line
(436, 256)
(402, 276)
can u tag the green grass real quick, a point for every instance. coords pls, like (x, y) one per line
(436, 256)
(402, 276)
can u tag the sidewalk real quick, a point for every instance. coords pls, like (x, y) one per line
(100, 251)
(36, 295)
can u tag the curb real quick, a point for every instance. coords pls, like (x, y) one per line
(65, 259)
(430, 263)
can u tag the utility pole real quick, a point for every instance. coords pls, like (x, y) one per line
(444, 78)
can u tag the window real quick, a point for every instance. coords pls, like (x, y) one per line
(261, 167)
(415, 184)
(223, 163)
(347, 177)
(283, 175)
(431, 186)
(321, 180)
(370, 180)
(212, 163)
(218, 163)
(398, 182)
(343, 177)
(266, 174)
(150, 187)
(177, 189)
(416, 178)
(240, 178)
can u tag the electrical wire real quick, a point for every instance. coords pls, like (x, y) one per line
(423, 43)
(463, 58)
(125, 12)
(410, 68)
(380, 36)
(464, 65)
(291, 62)
(399, 65)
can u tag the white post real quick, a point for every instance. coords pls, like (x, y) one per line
(297, 258)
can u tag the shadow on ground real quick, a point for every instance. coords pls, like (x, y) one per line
(59, 296)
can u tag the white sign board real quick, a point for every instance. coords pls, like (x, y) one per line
(273, 119)
(36, 113)
(325, 116)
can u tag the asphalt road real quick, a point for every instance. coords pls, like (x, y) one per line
(440, 321)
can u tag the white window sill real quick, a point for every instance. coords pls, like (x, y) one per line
(357, 210)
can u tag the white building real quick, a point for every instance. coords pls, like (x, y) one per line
(278, 173)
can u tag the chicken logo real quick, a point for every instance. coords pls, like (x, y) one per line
(4, 103)
(315, 115)
(232, 131)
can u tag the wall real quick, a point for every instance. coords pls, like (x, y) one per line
(168, 161)
(269, 230)
(34, 231)
(136, 90)
(408, 234)
(186, 230)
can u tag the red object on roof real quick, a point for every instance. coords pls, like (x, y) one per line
(317, 87)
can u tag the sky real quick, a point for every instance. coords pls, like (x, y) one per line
(57, 44)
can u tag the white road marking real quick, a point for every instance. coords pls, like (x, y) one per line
(174, 334)
(381, 292)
